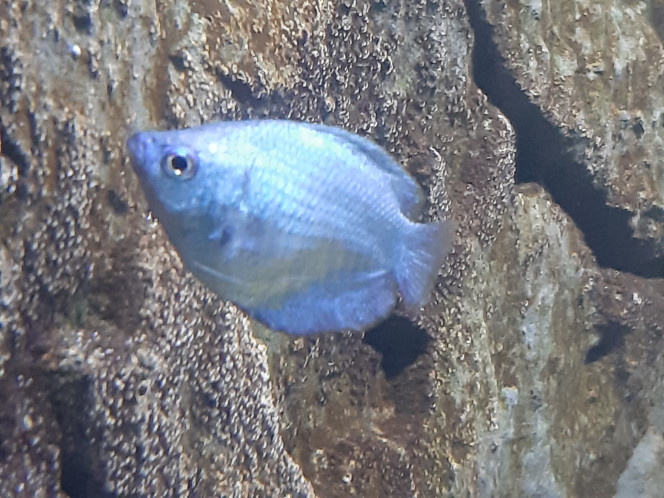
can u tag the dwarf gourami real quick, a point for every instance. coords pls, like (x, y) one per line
(307, 227)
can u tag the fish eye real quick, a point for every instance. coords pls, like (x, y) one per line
(179, 165)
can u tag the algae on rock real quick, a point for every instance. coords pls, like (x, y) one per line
(122, 375)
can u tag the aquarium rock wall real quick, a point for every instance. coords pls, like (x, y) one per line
(535, 370)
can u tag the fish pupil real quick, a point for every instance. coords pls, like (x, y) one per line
(180, 164)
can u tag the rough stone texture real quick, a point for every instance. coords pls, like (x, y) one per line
(595, 70)
(533, 371)
(121, 375)
(643, 476)
(582, 84)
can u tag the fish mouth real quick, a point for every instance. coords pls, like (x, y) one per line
(136, 145)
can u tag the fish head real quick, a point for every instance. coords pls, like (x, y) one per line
(172, 171)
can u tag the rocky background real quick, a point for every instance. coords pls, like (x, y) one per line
(536, 370)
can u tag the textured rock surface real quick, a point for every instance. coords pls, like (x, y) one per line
(581, 84)
(595, 71)
(643, 476)
(533, 371)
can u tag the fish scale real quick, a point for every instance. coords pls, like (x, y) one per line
(322, 205)
(306, 227)
(298, 215)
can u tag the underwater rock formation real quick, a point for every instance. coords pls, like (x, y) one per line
(534, 370)
(581, 85)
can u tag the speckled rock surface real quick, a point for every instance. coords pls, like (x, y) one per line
(595, 70)
(533, 371)
(582, 84)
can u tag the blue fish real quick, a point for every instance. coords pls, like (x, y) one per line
(307, 227)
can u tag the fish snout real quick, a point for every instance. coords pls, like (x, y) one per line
(137, 146)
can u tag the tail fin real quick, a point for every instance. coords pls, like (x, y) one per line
(424, 249)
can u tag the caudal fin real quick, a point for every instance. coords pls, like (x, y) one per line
(423, 251)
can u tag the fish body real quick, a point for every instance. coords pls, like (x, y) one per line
(307, 227)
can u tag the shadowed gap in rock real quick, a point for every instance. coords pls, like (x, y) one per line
(612, 337)
(12, 151)
(546, 157)
(72, 405)
(399, 341)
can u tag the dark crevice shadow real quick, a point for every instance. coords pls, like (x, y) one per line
(612, 337)
(80, 469)
(240, 90)
(12, 151)
(400, 342)
(546, 157)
